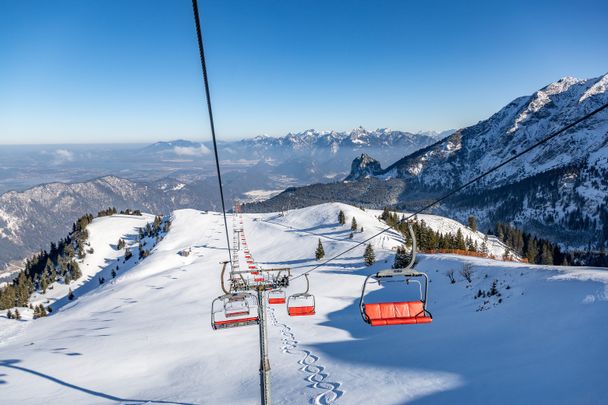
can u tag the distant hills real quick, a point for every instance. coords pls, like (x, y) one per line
(169, 175)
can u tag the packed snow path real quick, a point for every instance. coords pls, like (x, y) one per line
(146, 337)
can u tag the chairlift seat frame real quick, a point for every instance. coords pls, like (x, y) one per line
(236, 318)
(400, 312)
(301, 310)
(276, 297)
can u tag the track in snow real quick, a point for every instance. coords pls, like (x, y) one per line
(317, 376)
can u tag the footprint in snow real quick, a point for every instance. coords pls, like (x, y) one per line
(317, 377)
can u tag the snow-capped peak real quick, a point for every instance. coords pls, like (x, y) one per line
(600, 87)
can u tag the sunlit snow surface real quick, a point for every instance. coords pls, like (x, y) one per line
(146, 337)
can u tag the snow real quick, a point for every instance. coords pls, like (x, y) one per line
(104, 234)
(542, 98)
(259, 195)
(146, 337)
(598, 88)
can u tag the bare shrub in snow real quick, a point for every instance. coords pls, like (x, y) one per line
(467, 272)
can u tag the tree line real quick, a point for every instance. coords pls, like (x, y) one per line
(57, 264)
(429, 239)
(536, 250)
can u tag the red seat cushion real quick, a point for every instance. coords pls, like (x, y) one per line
(396, 313)
(300, 311)
(276, 300)
(373, 312)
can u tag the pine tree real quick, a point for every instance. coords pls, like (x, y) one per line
(341, 218)
(36, 312)
(121, 244)
(74, 270)
(385, 214)
(113, 273)
(402, 258)
(17, 314)
(353, 225)
(44, 283)
(319, 252)
(460, 242)
(71, 295)
(546, 255)
(484, 246)
(532, 251)
(42, 310)
(9, 314)
(473, 223)
(493, 289)
(369, 256)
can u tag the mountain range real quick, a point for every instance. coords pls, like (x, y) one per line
(559, 189)
(31, 218)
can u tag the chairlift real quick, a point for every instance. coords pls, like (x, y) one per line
(233, 310)
(401, 312)
(276, 297)
(301, 304)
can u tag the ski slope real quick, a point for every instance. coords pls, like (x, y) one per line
(145, 337)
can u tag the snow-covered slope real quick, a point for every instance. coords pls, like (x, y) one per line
(146, 337)
(102, 257)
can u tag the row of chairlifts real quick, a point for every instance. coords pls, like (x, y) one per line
(239, 306)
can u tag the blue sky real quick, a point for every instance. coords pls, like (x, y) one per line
(128, 71)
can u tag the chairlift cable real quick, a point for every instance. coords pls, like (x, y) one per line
(201, 51)
(460, 188)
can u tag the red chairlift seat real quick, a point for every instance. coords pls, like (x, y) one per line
(396, 313)
(401, 312)
(301, 304)
(276, 297)
(233, 310)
